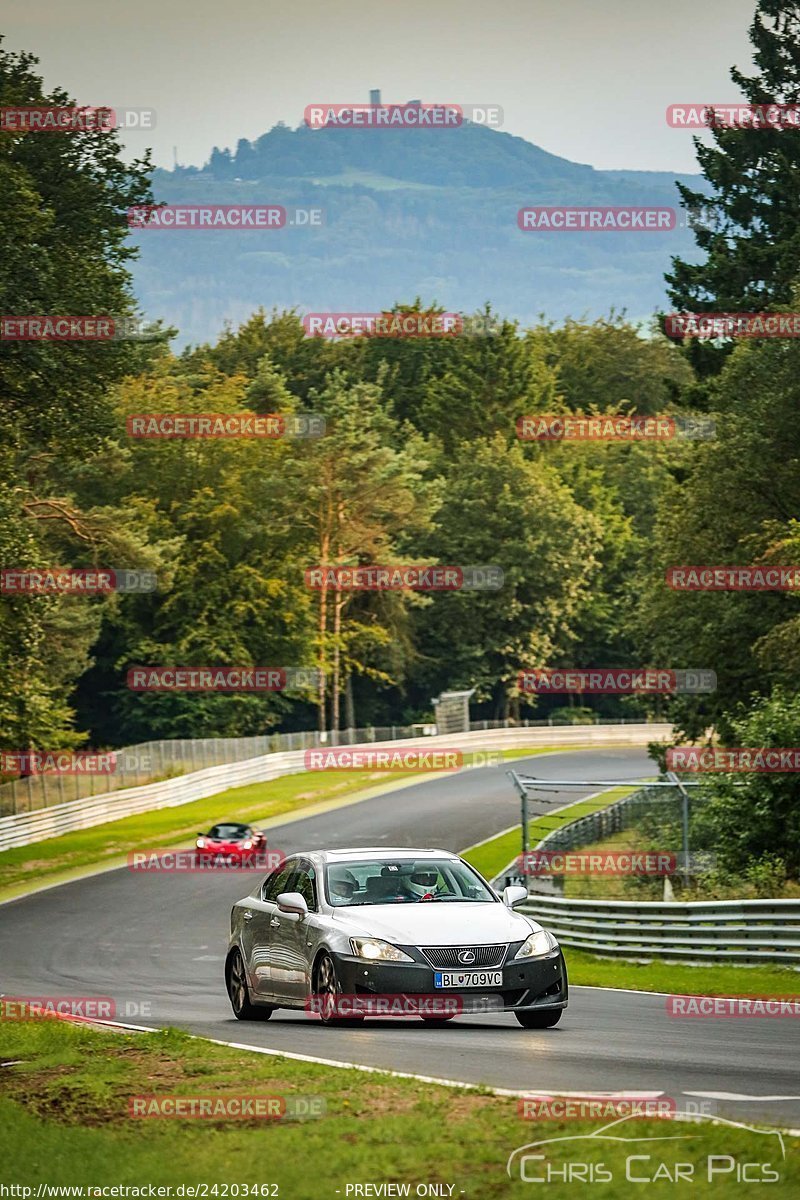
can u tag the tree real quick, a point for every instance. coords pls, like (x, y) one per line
(229, 562)
(498, 507)
(735, 500)
(750, 230)
(66, 247)
(354, 492)
(749, 818)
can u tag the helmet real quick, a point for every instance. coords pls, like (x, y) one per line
(342, 884)
(422, 879)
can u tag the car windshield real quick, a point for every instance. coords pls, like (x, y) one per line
(404, 881)
(228, 833)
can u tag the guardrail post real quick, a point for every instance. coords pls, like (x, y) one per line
(523, 795)
(673, 778)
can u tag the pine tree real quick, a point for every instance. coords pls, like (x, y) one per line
(750, 231)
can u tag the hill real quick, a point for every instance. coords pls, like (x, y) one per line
(407, 212)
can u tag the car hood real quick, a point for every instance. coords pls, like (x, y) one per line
(432, 924)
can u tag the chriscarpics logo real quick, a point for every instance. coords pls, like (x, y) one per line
(675, 1147)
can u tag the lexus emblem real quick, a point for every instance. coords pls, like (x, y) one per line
(466, 956)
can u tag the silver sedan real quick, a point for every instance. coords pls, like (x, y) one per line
(344, 934)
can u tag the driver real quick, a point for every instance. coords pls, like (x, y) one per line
(342, 884)
(422, 883)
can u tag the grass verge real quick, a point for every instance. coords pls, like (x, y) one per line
(491, 857)
(64, 1121)
(677, 978)
(103, 845)
(657, 976)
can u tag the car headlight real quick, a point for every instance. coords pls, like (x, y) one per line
(537, 945)
(378, 951)
(200, 843)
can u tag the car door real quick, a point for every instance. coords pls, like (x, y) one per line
(293, 940)
(258, 931)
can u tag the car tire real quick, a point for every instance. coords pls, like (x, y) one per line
(239, 992)
(543, 1018)
(327, 985)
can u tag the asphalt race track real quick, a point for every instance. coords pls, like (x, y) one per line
(158, 940)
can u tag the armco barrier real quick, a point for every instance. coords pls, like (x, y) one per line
(737, 931)
(22, 829)
(744, 931)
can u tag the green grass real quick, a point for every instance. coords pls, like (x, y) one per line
(491, 857)
(64, 1120)
(106, 844)
(723, 979)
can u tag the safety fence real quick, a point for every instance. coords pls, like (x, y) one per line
(150, 762)
(739, 931)
(22, 828)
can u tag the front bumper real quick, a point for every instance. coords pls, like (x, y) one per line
(527, 983)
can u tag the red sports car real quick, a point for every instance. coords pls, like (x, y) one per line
(231, 840)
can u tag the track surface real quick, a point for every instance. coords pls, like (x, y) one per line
(155, 943)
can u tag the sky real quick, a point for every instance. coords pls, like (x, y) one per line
(585, 79)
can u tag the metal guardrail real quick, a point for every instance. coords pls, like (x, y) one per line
(24, 828)
(149, 762)
(743, 931)
(736, 931)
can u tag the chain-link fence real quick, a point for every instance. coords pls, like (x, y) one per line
(149, 762)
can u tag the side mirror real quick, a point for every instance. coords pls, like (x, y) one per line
(512, 896)
(293, 904)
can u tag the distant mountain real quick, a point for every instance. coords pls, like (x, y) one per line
(407, 212)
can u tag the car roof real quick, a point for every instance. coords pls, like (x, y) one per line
(358, 853)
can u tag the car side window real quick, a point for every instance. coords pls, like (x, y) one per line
(304, 882)
(277, 881)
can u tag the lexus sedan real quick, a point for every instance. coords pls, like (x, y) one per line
(344, 934)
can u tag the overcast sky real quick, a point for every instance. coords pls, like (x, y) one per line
(585, 79)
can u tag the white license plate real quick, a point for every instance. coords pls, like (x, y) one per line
(467, 979)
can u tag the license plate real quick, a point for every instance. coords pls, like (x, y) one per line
(467, 979)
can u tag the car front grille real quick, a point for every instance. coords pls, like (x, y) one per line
(447, 956)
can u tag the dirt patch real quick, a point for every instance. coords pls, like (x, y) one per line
(468, 1104)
